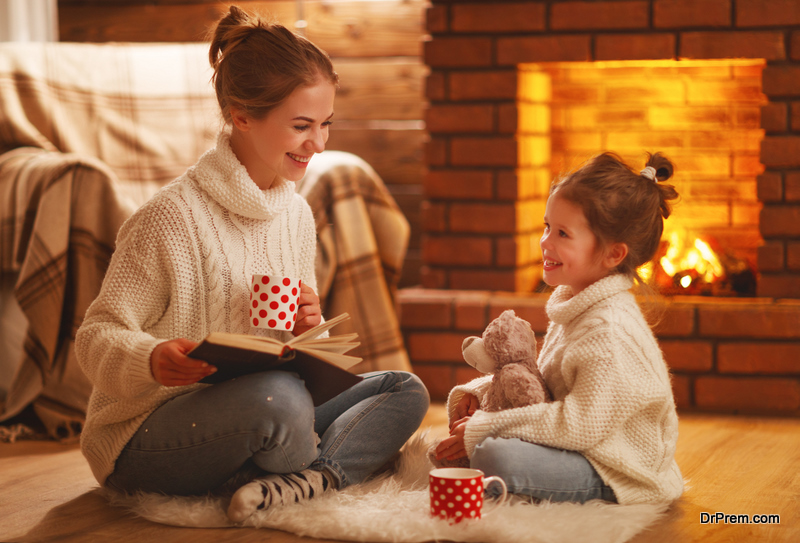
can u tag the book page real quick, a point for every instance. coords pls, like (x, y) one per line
(317, 330)
(337, 344)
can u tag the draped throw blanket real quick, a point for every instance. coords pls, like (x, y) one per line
(117, 121)
(147, 111)
(362, 238)
(58, 222)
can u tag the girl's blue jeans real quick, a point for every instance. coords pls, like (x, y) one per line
(266, 421)
(540, 472)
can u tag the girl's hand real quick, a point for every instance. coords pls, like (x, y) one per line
(171, 367)
(453, 447)
(465, 407)
(309, 314)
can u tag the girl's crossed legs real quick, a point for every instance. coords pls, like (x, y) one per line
(540, 472)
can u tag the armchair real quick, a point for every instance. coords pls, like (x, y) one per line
(88, 133)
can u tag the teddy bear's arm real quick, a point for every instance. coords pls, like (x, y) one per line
(519, 387)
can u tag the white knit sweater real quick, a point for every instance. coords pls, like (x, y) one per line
(182, 268)
(612, 396)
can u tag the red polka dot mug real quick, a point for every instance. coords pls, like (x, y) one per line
(457, 493)
(274, 301)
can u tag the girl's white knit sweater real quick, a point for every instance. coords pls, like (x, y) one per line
(182, 269)
(613, 400)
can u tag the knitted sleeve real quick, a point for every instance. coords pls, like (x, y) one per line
(111, 345)
(476, 387)
(607, 388)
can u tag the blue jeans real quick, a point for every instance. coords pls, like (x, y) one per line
(540, 472)
(266, 422)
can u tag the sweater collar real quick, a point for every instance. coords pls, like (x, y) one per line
(226, 180)
(563, 307)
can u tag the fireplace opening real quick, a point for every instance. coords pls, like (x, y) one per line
(704, 115)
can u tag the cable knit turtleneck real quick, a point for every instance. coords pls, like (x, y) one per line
(182, 268)
(612, 395)
(220, 173)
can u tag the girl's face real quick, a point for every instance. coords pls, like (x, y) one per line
(281, 144)
(570, 249)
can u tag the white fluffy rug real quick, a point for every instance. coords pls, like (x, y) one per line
(396, 509)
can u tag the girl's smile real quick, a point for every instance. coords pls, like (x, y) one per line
(550, 265)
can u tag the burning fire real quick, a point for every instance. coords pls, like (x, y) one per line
(688, 265)
(690, 261)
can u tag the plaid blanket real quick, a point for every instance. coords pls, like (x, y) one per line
(146, 111)
(362, 237)
(89, 133)
(58, 223)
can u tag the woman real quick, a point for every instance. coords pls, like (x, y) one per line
(182, 269)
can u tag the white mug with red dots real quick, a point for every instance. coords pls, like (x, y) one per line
(274, 302)
(457, 493)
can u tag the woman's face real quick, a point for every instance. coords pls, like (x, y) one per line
(281, 144)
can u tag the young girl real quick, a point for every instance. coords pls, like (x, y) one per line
(182, 269)
(611, 431)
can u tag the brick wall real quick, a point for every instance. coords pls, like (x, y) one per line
(484, 194)
(476, 229)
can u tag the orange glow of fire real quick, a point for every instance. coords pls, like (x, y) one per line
(698, 256)
(687, 260)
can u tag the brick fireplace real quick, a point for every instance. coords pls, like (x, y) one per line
(520, 91)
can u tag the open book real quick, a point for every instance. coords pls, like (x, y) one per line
(320, 362)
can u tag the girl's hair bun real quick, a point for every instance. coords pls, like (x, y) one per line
(661, 165)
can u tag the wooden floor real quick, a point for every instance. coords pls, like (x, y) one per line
(736, 466)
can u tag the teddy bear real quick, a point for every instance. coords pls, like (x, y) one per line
(507, 350)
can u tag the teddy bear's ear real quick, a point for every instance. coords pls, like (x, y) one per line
(503, 324)
(474, 352)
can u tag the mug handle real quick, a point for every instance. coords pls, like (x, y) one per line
(486, 482)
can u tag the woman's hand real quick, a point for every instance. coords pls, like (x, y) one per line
(465, 407)
(453, 447)
(171, 367)
(309, 314)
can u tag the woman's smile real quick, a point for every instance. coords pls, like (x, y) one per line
(302, 160)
